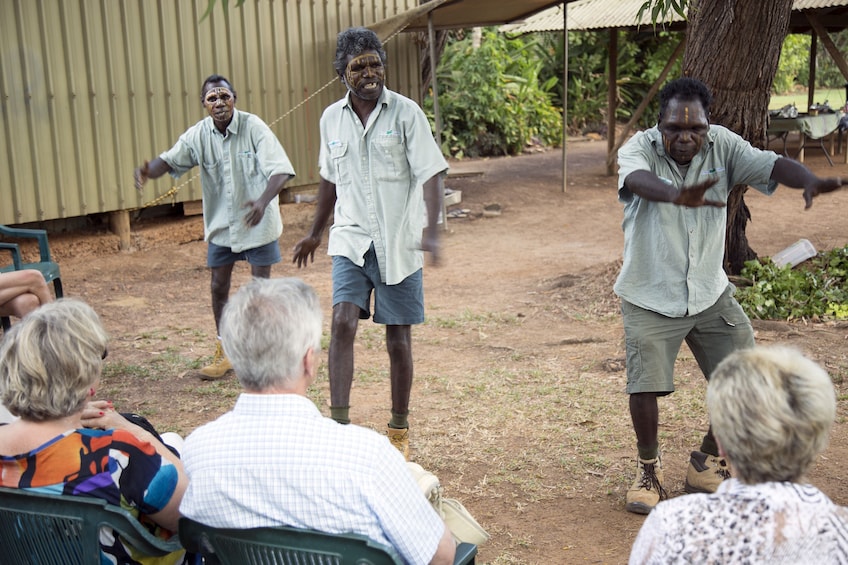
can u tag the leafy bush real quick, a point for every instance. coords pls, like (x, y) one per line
(817, 289)
(794, 66)
(491, 98)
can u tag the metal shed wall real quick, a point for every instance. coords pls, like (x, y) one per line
(91, 88)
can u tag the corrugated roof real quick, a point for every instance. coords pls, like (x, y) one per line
(602, 14)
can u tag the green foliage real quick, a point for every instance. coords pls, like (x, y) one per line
(827, 72)
(641, 58)
(492, 99)
(794, 65)
(660, 8)
(817, 289)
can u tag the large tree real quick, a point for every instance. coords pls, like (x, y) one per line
(734, 47)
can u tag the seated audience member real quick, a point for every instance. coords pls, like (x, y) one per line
(62, 442)
(771, 410)
(21, 292)
(275, 460)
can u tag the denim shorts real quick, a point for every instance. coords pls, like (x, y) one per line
(653, 341)
(399, 304)
(268, 254)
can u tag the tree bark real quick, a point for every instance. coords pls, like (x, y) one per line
(734, 47)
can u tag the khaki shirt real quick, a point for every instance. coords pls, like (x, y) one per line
(235, 169)
(379, 171)
(673, 255)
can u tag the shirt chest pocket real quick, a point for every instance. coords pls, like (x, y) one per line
(338, 153)
(388, 157)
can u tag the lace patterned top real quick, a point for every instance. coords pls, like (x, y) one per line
(775, 523)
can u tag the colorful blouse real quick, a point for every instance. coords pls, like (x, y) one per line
(109, 464)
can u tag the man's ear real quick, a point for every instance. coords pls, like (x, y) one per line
(310, 365)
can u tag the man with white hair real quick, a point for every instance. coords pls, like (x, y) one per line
(275, 460)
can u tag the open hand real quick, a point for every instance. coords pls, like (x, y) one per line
(304, 251)
(693, 196)
(820, 186)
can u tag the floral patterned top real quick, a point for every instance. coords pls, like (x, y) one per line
(775, 523)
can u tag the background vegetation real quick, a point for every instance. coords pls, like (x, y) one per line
(507, 93)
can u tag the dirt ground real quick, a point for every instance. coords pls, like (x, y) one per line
(518, 404)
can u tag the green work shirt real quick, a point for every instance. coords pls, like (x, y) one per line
(235, 169)
(673, 255)
(379, 170)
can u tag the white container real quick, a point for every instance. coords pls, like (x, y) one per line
(796, 253)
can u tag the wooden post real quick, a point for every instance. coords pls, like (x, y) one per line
(831, 47)
(437, 116)
(565, 96)
(119, 224)
(811, 82)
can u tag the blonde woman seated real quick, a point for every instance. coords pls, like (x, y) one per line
(21, 292)
(50, 365)
(771, 411)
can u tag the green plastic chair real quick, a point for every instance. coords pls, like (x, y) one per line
(46, 529)
(48, 268)
(261, 546)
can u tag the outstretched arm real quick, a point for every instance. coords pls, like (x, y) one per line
(795, 175)
(650, 187)
(150, 170)
(304, 250)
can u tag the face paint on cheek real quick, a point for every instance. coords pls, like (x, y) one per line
(355, 70)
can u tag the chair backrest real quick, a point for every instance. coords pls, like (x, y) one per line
(285, 545)
(45, 529)
(259, 546)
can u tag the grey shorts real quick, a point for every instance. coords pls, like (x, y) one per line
(268, 254)
(653, 341)
(399, 304)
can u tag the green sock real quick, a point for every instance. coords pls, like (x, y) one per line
(340, 414)
(649, 452)
(399, 421)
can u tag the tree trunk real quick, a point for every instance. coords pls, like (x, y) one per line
(734, 47)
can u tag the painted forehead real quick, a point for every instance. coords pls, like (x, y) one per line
(686, 111)
(216, 92)
(365, 59)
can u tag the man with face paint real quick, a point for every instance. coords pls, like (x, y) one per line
(243, 170)
(380, 168)
(674, 181)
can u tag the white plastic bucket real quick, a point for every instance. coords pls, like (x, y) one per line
(796, 253)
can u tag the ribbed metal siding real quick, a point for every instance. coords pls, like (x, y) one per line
(89, 89)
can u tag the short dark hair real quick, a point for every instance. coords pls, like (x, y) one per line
(687, 89)
(215, 78)
(354, 41)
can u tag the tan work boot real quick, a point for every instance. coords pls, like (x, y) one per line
(705, 472)
(400, 439)
(218, 368)
(647, 490)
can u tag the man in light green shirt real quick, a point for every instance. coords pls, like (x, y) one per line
(380, 174)
(674, 181)
(243, 170)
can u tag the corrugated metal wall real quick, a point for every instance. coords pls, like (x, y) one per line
(91, 88)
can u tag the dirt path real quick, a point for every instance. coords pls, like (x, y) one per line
(518, 404)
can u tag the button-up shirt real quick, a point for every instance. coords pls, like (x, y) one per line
(379, 170)
(673, 254)
(234, 170)
(275, 460)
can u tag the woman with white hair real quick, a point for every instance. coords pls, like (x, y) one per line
(771, 411)
(63, 443)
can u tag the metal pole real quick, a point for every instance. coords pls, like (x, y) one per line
(431, 39)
